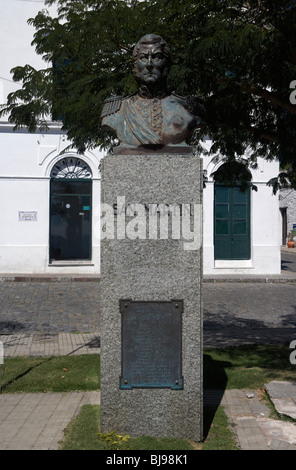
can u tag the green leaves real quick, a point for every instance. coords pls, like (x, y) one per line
(240, 57)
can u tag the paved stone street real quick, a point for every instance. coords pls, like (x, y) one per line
(49, 307)
(234, 312)
(238, 313)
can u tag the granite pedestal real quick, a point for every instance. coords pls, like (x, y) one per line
(151, 301)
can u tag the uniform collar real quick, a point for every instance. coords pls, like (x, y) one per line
(159, 93)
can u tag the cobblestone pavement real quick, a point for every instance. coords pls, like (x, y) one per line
(234, 312)
(241, 313)
(49, 307)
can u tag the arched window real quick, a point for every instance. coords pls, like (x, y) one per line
(71, 168)
(70, 210)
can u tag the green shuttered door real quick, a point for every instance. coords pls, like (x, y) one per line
(232, 223)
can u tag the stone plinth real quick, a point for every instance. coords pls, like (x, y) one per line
(152, 273)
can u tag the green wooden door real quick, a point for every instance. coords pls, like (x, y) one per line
(232, 223)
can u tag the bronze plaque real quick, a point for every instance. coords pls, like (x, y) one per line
(151, 344)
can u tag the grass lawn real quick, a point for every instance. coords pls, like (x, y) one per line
(83, 434)
(51, 374)
(233, 367)
(249, 366)
(236, 367)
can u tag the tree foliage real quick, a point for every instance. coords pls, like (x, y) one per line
(239, 56)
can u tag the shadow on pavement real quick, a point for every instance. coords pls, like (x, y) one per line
(12, 327)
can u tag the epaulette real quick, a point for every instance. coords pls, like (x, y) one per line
(194, 105)
(178, 96)
(111, 106)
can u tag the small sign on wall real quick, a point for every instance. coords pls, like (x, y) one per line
(25, 216)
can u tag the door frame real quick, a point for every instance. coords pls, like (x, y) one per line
(80, 180)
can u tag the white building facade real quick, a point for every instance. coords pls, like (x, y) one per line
(50, 201)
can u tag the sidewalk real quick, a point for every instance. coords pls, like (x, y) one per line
(46, 344)
(284, 276)
(36, 421)
(250, 419)
(289, 250)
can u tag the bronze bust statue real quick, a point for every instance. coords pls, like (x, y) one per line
(152, 119)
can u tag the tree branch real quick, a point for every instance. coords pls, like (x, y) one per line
(268, 96)
(262, 135)
(265, 94)
(253, 130)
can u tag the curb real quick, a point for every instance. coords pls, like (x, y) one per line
(282, 278)
(46, 278)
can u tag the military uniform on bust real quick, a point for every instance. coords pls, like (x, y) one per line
(152, 118)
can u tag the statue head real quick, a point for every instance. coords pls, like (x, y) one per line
(152, 60)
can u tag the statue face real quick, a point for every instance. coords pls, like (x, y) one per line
(150, 64)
